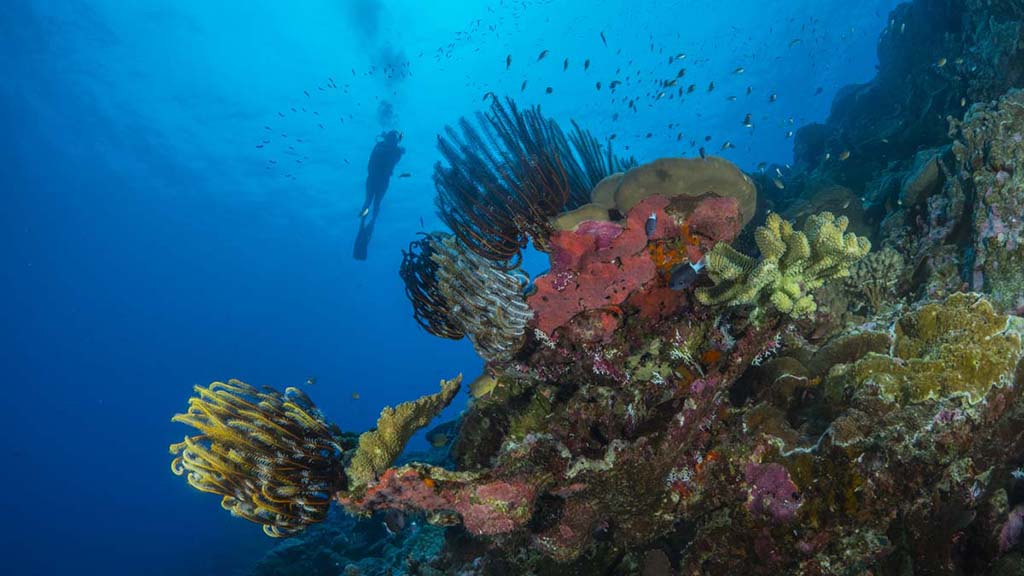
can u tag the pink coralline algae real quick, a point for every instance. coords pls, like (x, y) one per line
(716, 219)
(772, 492)
(485, 508)
(598, 266)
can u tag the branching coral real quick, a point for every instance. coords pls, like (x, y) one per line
(378, 448)
(455, 292)
(875, 277)
(500, 187)
(271, 456)
(793, 264)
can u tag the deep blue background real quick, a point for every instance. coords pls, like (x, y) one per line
(147, 245)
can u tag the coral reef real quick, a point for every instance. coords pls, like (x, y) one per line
(271, 456)
(638, 416)
(792, 265)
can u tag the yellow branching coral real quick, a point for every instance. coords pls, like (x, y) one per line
(378, 448)
(271, 456)
(793, 264)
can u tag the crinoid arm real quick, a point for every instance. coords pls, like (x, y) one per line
(272, 457)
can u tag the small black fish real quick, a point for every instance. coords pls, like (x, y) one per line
(586, 64)
(711, 86)
(598, 85)
(703, 152)
(691, 88)
(394, 522)
(684, 275)
(651, 224)
(508, 61)
(612, 137)
(549, 90)
(565, 65)
(488, 95)
(306, 92)
(310, 381)
(603, 39)
(422, 225)
(681, 73)
(543, 53)
(404, 175)
(523, 87)
(819, 91)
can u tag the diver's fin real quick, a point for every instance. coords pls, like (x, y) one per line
(362, 240)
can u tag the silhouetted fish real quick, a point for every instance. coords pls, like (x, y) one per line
(684, 275)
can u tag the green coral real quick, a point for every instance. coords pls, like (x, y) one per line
(793, 264)
(957, 348)
(378, 448)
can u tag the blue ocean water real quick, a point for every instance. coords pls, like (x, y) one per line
(150, 244)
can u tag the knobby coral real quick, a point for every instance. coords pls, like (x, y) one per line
(792, 265)
(271, 456)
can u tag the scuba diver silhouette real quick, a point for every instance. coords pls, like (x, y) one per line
(386, 153)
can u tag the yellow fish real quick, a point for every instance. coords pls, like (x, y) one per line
(482, 386)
